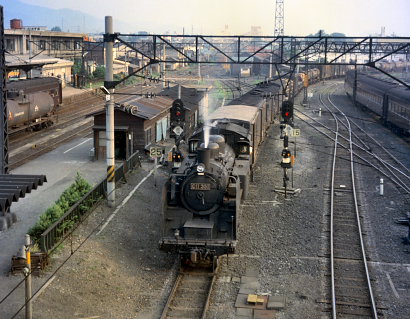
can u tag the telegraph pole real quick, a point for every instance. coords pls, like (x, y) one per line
(109, 124)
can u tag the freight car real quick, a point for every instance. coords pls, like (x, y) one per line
(201, 199)
(31, 103)
(390, 101)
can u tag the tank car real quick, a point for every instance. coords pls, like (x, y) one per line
(32, 103)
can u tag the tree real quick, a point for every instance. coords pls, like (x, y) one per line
(99, 72)
(56, 29)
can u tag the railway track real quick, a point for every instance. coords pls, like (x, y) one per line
(370, 152)
(25, 146)
(351, 289)
(189, 297)
(37, 150)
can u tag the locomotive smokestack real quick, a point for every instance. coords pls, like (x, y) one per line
(204, 155)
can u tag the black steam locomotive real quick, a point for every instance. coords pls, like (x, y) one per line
(201, 199)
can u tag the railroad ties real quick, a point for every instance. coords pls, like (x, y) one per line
(352, 294)
(190, 294)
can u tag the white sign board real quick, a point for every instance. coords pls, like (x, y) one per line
(296, 132)
(155, 151)
(288, 130)
(178, 130)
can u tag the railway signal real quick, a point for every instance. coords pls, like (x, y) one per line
(177, 120)
(287, 112)
(177, 112)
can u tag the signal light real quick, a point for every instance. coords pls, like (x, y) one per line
(287, 111)
(177, 112)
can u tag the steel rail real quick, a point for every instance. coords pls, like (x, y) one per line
(41, 151)
(382, 147)
(372, 299)
(356, 208)
(358, 156)
(403, 185)
(332, 192)
(378, 144)
(387, 165)
(179, 283)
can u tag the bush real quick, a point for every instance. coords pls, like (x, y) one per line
(99, 72)
(68, 198)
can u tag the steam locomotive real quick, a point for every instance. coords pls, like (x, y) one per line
(32, 103)
(201, 199)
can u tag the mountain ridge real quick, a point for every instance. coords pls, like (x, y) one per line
(67, 19)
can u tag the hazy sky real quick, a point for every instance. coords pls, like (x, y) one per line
(353, 17)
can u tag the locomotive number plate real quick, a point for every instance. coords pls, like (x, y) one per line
(200, 186)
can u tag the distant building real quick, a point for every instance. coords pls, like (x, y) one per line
(142, 122)
(40, 51)
(35, 40)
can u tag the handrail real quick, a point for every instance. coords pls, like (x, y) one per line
(62, 228)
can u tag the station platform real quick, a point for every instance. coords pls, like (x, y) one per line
(60, 166)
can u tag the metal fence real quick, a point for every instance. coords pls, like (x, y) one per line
(61, 229)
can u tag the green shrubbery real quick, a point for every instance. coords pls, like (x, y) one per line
(67, 199)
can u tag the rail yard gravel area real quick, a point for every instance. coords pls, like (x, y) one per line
(118, 272)
(281, 237)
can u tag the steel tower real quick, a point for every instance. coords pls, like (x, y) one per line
(279, 18)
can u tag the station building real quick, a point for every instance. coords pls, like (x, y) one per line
(141, 122)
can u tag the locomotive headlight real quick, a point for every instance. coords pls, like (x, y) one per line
(200, 168)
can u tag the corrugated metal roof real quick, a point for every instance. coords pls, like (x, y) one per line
(148, 108)
(13, 187)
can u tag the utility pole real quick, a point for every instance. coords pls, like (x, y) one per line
(109, 123)
(164, 66)
(305, 83)
(4, 139)
(27, 274)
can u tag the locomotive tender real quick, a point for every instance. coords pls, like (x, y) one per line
(388, 100)
(31, 103)
(201, 199)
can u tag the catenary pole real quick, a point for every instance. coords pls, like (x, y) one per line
(109, 44)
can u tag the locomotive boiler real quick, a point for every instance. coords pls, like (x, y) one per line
(201, 202)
